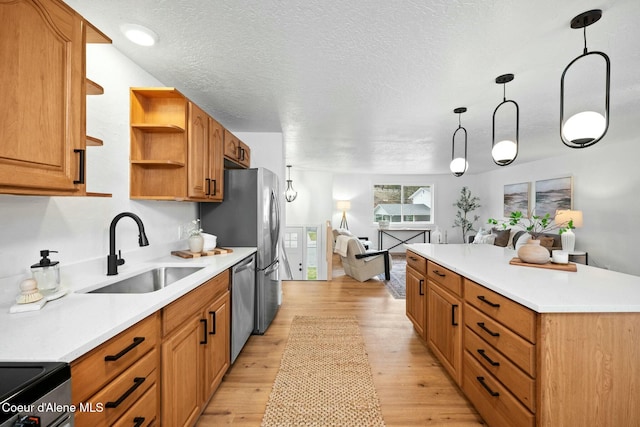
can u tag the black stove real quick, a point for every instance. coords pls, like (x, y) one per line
(25, 385)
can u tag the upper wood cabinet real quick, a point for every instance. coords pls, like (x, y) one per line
(42, 111)
(176, 148)
(237, 154)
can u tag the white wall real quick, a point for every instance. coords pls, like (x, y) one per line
(605, 179)
(78, 227)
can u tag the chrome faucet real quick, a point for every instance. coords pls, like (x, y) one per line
(113, 260)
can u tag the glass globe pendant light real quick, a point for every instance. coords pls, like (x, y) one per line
(459, 165)
(585, 128)
(505, 152)
(290, 194)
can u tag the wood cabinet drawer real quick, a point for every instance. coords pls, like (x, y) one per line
(445, 277)
(518, 318)
(493, 401)
(122, 392)
(95, 369)
(517, 349)
(520, 384)
(417, 262)
(143, 413)
(178, 312)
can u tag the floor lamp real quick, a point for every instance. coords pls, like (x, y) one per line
(344, 206)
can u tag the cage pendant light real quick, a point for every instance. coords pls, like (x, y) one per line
(505, 151)
(586, 128)
(459, 165)
(290, 194)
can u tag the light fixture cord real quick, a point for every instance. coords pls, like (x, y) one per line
(585, 37)
(459, 122)
(504, 91)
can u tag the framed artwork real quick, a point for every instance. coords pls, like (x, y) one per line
(553, 194)
(516, 198)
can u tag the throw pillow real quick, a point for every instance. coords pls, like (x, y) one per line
(502, 236)
(547, 242)
(479, 237)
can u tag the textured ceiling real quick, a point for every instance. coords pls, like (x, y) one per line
(371, 85)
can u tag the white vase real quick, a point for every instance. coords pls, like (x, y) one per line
(196, 243)
(568, 239)
(533, 253)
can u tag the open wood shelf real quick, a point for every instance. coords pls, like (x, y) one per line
(158, 163)
(151, 127)
(93, 88)
(94, 35)
(93, 141)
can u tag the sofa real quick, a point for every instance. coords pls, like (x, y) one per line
(511, 238)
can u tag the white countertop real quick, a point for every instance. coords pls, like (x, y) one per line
(590, 289)
(69, 327)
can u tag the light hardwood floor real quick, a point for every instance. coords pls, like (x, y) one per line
(414, 390)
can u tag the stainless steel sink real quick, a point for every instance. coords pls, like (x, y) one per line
(149, 281)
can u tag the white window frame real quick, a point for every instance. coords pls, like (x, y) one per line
(407, 223)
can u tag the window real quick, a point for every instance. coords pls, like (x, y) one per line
(403, 203)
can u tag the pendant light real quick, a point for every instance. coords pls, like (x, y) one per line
(586, 128)
(459, 165)
(290, 194)
(505, 151)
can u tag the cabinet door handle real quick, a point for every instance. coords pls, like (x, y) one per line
(421, 285)
(491, 392)
(136, 342)
(137, 382)
(208, 181)
(453, 314)
(487, 330)
(437, 272)
(482, 353)
(204, 340)
(215, 187)
(213, 323)
(80, 166)
(241, 153)
(486, 301)
(138, 421)
(412, 258)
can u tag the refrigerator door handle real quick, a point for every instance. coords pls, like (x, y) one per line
(271, 267)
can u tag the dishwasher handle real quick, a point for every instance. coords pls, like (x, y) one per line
(244, 265)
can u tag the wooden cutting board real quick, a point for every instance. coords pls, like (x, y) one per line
(551, 266)
(189, 254)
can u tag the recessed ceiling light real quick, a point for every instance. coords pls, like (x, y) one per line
(139, 35)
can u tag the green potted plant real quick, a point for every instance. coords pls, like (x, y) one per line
(465, 204)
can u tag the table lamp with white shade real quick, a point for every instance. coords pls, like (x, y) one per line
(568, 237)
(344, 206)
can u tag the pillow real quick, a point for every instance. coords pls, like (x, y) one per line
(502, 236)
(479, 237)
(344, 232)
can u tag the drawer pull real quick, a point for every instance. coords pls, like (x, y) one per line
(136, 342)
(453, 315)
(204, 339)
(482, 353)
(137, 382)
(138, 421)
(213, 323)
(487, 330)
(412, 258)
(486, 301)
(437, 272)
(421, 286)
(491, 392)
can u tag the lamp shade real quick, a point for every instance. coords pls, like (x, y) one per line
(504, 152)
(458, 166)
(344, 205)
(564, 216)
(584, 127)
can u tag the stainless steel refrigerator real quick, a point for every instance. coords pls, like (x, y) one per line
(250, 216)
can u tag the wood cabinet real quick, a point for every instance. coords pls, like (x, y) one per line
(42, 111)
(176, 148)
(119, 378)
(416, 292)
(195, 350)
(237, 154)
(444, 318)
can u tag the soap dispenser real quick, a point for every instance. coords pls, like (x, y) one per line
(46, 273)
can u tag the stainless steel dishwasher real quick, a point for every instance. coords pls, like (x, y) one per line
(243, 301)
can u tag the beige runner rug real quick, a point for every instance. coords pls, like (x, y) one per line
(324, 377)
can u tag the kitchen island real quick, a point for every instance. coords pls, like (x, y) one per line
(529, 346)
